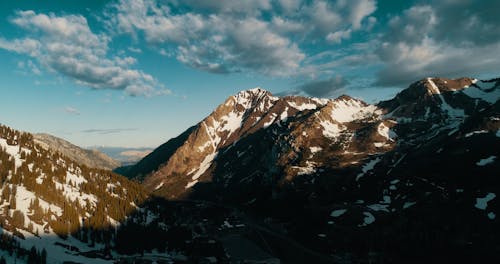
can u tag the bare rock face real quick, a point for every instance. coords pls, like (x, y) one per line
(89, 158)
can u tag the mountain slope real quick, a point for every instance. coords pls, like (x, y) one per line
(345, 128)
(49, 201)
(90, 158)
(153, 160)
(416, 171)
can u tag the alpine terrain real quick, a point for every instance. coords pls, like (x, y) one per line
(267, 179)
(408, 178)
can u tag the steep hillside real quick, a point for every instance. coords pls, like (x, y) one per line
(90, 158)
(49, 202)
(153, 160)
(417, 172)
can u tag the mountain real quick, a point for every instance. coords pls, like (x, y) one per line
(90, 158)
(153, 160)
(51, 203)
(403, 179)
(266, 179)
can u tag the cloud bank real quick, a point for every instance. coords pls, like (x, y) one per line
(67, 46)
(263, 37)
(446, 38)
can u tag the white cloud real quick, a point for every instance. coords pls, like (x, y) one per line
(135, 50)
(451, 39)
(217, 43)
(289, 6)
(71, 110)
(337, 37)
(240, 6)
(359, 9)
(323, 18)
(66, 45)
(29, 66)
(264, 36)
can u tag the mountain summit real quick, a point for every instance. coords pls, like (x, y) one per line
(256, 137)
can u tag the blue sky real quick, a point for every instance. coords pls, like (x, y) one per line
(136, 73)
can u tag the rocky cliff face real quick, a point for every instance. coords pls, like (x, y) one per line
(90, 158)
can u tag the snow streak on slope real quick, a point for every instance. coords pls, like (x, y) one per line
(452, 112)
(349, 110)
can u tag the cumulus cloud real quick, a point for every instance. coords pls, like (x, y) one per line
(359, 9)
(324, 88)
(263, 36)
(241, 6)
(66, 45)
(216, 43)
(448, 38)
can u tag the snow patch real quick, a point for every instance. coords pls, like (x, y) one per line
(76, 179)
(350, 110)
(338, 212)
(491, 215)
(452, 112)
(380, 144)
(378, 207)
(191, 184)
(231, 122)
(367, 167)
(205, 164)
(408, 204)
(386, 132)
(271, 121)
(330, 130)
(302, 107)
(13, 151)
(476, 132)
(369, 219)
(315, 149)
(486, 161)
(159, 186)
(482, 203)
(309, 169)
(284, 115)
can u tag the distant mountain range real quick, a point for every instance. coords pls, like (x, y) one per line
(124, 155)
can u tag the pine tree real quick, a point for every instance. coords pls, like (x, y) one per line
(43, 256)
(33, 256)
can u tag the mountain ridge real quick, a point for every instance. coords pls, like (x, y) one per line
(254, 109)
(90, 157)
(356, 170)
